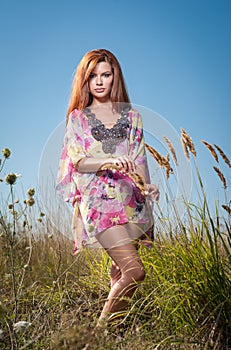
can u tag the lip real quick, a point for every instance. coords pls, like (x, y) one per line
(100, 90)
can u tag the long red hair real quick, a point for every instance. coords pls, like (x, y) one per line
(80, 96)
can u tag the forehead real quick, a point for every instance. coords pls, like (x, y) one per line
(102, 67)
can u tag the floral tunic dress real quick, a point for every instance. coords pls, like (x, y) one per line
(106, 198)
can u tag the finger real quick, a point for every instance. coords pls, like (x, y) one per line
(124, 163)
(155, 196)
(118, 163)
(130, 164)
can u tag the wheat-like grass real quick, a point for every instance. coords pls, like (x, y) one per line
(172, 150)
(211, 150)
(221, 176)
(187, 144)
(227, 208)
(156, 155)
(185, 148)
(226, 159)
(161, 160)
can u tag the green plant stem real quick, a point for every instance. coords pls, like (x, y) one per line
(2, 164)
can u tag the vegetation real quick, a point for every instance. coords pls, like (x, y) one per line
(51, 299)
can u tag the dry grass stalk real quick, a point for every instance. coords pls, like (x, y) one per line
(161, 160)
(172, 150)
(185, 148)
(221, 176)
(156, 155)
(168, 168)
(211, 150)
(226, 159)
(187, 144)
(227, 208)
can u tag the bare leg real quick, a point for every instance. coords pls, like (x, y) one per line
(115, 273)
(131, 271)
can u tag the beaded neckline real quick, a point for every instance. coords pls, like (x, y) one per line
(110, 137)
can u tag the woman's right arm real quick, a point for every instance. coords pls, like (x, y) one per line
(92, 165)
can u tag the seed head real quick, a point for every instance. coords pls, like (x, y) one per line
(11, 178)
(31, 192)
(211, 150)
(225, 158)
(228, 209)
(30, 201)
(187, 144)
(6, 153)
(172, 150)
(221, 176)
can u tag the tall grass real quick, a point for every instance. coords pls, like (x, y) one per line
(184, 302)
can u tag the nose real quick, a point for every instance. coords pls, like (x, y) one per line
(98, 80)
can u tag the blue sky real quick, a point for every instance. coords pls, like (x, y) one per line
(175, 55)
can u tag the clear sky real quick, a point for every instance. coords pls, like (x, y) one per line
(175, 56)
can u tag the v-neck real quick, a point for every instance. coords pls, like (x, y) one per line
(93, 115)
(109, 137)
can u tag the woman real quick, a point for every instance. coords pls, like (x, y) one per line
(102, 157)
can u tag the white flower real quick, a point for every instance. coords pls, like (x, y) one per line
(21, 326)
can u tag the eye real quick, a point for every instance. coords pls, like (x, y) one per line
(92, 75)
(107, 75)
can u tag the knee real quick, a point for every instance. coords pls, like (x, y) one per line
(138, 275)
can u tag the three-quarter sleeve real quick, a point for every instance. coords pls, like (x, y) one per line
(137, 146)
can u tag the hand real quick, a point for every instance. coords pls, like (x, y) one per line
(125, 163)
(153, 192)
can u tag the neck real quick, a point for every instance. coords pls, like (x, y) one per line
(101, 101)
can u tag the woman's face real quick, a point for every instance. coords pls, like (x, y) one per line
(100, 81)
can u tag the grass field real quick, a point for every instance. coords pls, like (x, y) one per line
(51, 299)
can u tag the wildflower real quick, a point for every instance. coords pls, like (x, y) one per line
(21, 326)
(42, 214)
(16, 201)
(39, 220)
(10, 206)
(31, 192)
(1, 334)
(30, 201)
(6, 153)
(11, 178)
(24, 223)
